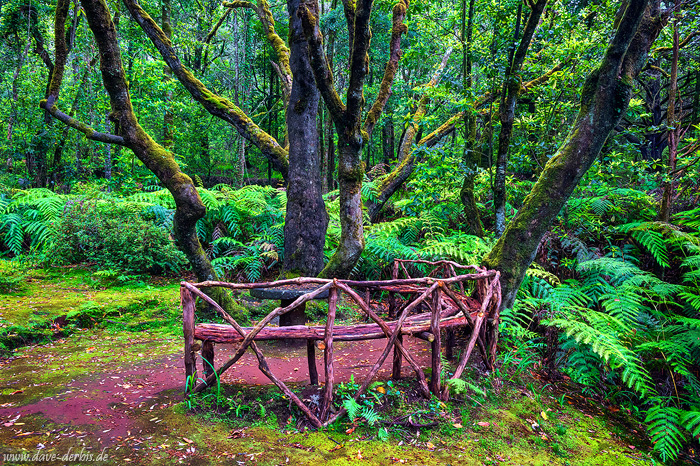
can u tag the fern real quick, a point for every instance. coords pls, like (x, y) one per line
(664, 428)
(691, 421)
(352, 407)
(370, 415)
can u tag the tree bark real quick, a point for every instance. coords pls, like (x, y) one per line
(604, 99)
(352, 133)
(469, 156)
(673, 131)
(506, 109)
(306, 219)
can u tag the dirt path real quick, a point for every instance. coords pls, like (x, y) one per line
(129, 406)
(108, 400)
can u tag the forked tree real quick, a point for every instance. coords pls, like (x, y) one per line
(604, 100)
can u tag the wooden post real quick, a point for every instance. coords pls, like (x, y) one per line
(367, 298)
(392, 305)
(396, 367)
(187, 301)
(449, 343)
(311, 358)
(328, 354)
(435, 345)
(208, 357)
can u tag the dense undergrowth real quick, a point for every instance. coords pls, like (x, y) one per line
(612, 302)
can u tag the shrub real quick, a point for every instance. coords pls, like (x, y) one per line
(114, 236)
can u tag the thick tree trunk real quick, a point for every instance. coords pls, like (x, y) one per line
(604, 99)
(469, 156)
(352, 239)
(306, 219)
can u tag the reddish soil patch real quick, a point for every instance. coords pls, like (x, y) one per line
(111, 405)
(290, 366)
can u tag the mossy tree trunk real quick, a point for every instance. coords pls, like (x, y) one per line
(470, 155)
(352, 132)
(506, 109)
(189, 206)
(306, 219)
(604, 100)
(674, 131)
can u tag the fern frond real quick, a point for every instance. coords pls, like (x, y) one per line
(663, 427)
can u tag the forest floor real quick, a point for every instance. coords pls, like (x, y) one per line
(116, 389)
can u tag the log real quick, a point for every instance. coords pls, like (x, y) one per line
(396, 364)
(436, 361)
(262, 363)
(385, 353)
(219, 333)
(328, 354)
(407, 310)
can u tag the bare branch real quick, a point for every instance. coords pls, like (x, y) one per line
(89, 132)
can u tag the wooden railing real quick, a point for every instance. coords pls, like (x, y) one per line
(443, 297)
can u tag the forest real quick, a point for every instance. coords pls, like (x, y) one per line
(554, 142)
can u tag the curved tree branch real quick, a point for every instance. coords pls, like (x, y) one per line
(214, 104)
(319, 64)
(89, 132)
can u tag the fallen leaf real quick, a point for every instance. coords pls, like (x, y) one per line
(381, 390)
(350, 430)
(187, 440)
(544, 415)
(483, 424)
(457, 425)
(430, 445)
(16, 392)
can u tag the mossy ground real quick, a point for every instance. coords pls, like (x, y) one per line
(109, 367)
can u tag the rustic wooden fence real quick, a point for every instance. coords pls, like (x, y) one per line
(442, 294)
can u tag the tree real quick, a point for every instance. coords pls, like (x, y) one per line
(604, 100)
(130, 134)
(347, 117)
(506, 109)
